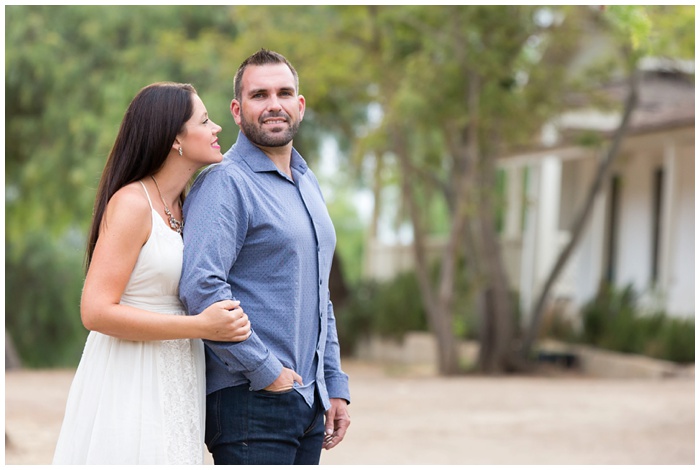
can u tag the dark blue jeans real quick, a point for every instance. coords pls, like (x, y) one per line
(247, 427)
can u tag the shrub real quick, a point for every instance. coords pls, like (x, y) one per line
(389, 309)
(392, 308)
(613, 320)
(42, 308)
(678, 340)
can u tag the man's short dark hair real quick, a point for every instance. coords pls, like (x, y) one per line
(262, 57)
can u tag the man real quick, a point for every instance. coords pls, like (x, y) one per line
(257, 230)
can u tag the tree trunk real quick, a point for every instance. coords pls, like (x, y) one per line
(437, 305)
(12, 359)
(580, 222)
(472, 186)
(497, 353)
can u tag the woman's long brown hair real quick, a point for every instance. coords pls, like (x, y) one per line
(155, 117)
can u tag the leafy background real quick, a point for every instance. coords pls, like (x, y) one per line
(70, 72)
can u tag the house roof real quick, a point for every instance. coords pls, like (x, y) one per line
(666, 100)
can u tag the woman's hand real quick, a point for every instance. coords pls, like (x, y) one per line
(225, 321)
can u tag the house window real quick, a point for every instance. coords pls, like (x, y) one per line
(569, 196)
(613, 220)
(656, 223)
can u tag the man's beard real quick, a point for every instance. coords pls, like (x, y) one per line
(254, 132)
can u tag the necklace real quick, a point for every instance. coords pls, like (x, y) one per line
(174, 223)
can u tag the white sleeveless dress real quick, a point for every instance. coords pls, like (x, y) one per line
(139, 402)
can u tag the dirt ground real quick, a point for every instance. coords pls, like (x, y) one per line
(408, 417)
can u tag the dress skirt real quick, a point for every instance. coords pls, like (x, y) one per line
(135, 403)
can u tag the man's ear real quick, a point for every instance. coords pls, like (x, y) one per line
(302, 106)
(236, 111)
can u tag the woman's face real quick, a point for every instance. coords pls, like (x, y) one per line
(199, 143)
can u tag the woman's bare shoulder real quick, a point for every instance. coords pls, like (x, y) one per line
(130, 210)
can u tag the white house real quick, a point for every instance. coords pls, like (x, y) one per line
(641, 231)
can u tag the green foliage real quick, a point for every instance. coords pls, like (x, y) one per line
(633, 23)
(43, 285)
(672, 32)
(677, 341)
(388, 309)
(393, 308)
(614, 321)
(350, 233)
(655, 30)
(70, 72)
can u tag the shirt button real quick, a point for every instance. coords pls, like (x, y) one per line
(320, 283)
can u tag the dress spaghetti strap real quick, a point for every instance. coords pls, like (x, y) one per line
(146, 191)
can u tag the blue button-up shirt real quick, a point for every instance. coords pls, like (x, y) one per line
(256, 235)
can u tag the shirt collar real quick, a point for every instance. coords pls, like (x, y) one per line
(259, 162)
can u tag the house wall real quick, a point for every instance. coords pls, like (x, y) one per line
(634, 242)
(538, 233)
(582, 275)
(673, 290)
(546, 233)
(680, 277)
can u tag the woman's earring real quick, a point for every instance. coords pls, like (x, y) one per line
(179, 151)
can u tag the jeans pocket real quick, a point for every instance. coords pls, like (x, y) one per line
(268, 393)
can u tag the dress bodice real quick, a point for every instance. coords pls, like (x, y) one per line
(154, 282)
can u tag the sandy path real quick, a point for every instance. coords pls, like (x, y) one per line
(417, 419)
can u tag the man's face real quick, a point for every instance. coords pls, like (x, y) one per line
(270, 111)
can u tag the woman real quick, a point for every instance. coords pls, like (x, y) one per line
(138, 394)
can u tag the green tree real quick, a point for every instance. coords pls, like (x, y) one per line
(460, 85)
(420, 98)
(70, 74)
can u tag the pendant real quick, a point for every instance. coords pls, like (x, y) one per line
(174, 223)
